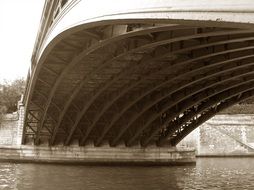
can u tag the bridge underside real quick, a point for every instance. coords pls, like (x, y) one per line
(137, 83)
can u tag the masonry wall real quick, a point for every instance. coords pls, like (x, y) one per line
(226, 134)
(8, 129)
(20, 122)
(11, 126)
(96, 155)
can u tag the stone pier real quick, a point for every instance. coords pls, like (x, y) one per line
(98, 155)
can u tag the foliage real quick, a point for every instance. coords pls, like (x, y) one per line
(10, 93)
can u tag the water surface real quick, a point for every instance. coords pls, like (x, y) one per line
(209, 173)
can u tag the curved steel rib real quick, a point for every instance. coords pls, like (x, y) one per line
(210, 113)
(161, 84)
(113, 121)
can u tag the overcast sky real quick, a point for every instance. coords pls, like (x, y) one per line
(19, 22)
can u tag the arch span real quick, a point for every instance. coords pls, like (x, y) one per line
(136, 75)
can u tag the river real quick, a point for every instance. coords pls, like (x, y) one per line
(208, 173)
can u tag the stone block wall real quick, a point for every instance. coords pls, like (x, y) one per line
(11, 127)
(98, 155)
(223, 135)
(20, 123)
(8, 129)
(227, 135)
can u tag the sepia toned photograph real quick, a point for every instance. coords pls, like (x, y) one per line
(126, 94)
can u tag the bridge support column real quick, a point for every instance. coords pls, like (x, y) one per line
(99, 155)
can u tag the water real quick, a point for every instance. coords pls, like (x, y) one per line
(209, 173)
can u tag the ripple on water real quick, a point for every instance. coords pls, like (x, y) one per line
(212, 173)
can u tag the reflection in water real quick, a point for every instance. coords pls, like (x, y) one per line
(209, 173)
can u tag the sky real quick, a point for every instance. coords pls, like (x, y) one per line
(19, 23)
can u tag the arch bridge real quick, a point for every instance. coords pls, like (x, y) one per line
(149, 72)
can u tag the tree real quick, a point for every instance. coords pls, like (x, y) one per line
(10, 94)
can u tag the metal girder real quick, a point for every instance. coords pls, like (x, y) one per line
(59, 58)
(140, 64)
(49, 70)
(79, 87)
(27, 122)
(42, 109)
(30, 112)
(186, 95)
(30, 127)
(73, 62)
(210, 114)
(116, 78)
(52, 92)
(214, 99)
(173, 125)
(94, 35)
(71, 45)
(126, 89)
(142, 111)
(44, 82)
(119, 115)
(86, 107)
(176, 101)
(72, 131)
(59, 79)
(193, 72)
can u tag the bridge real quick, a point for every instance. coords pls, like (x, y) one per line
(144, 73)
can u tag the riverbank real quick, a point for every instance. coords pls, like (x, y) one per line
(241, 155)
(97, 155)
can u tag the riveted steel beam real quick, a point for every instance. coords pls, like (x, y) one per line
(85, 108)
(102, 66)
(130, 86)
(188, 103)
(182, 75)
(50, 97)
(120, 113)
(211, 101)
(174, 124)
(209, 114)
(247, 69)
(52, 93)
(194, 71)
